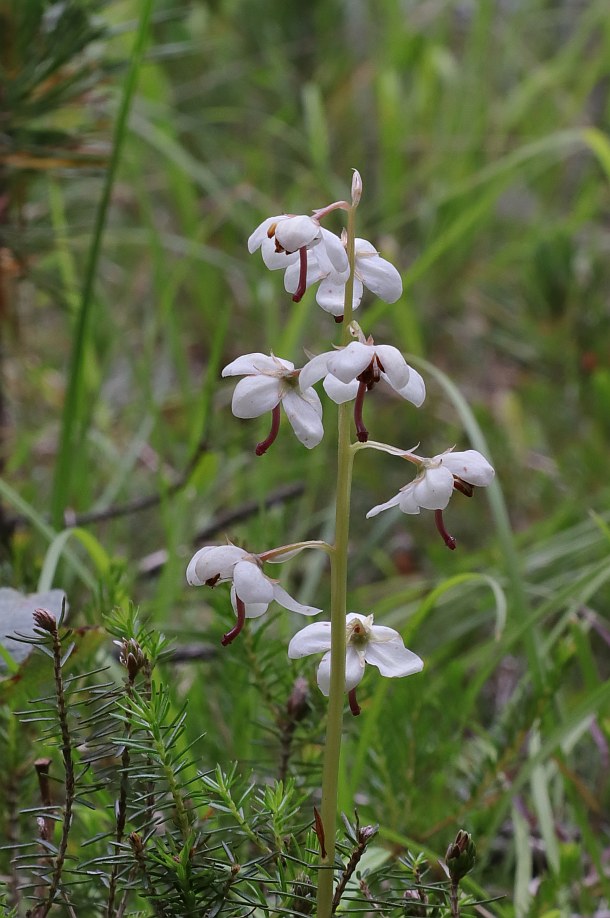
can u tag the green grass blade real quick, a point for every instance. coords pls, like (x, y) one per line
(70, 436)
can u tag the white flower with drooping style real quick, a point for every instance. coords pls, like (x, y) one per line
(350, 371)
(364, 362)
(270, 382)
(366, 643)
(251, 590)
(287, 240)
(370, 271)
(436, 480)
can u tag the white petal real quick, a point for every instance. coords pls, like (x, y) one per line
(392, 502)
(292, 275)
(256, 239)
(293, 233)
(251, 585)
(433, 491)
(313, 371)
(331, 296)
(253, 609)
(329, 257)
(249, 364)
(469, 465)
(392, 657)
(288, 602)
(313, 638)
(362, 247)
(350, 361)
(377, 274)
(340, 392)
(354, 668)
(415, 389)
(255, 395)
(394, 365)
(335, 250)
(408, 501)
(274, 260)
(212, 561)
(323, 675)
(303, 410)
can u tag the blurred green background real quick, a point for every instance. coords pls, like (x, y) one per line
(481, 133)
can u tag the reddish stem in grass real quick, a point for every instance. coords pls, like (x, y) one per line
(264, 445)
(440, 525)
(353, 703)
(298, 293)
(230, 636)
(361, 430)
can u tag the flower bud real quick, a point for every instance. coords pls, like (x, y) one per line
(367, 833)
(45, 620)
(303, 901)
(356, 188)
(461, 856)
(131, 656)
(136, 843)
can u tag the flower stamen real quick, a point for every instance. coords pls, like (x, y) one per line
(353, 703)
(448, 539)
(264, 445)
(230, 636)
(464, 487)
(298, 294)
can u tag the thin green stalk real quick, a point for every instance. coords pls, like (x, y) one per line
(338, 612)
(70, 435)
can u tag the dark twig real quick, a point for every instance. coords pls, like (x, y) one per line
(137, 846)
(47, 622)
(295, 710)
(42, 767)
(363, 837)
(140, 503)
(133, 659)
(152, 564)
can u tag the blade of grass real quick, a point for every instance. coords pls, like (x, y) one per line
(71, 436)
(27, 511)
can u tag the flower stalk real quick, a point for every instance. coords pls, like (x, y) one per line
(338, 615)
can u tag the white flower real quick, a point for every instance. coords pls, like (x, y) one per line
(370, 271)
(270, 382)
(284, 235)
(368, 360)
(350, 371)
(251, 590)
(366, 643)
(436, 480)
(288, 240)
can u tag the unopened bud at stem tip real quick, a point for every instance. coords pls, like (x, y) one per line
(356, 188)
(45, 620)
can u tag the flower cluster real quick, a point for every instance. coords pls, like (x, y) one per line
(341, 267)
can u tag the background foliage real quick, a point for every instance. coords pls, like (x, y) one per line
(481, 132)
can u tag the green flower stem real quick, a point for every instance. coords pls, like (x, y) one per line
(338, 612)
